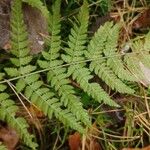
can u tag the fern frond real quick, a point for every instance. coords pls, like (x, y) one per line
(103, 65)
(13, 72)
(133, 63)
(82, 75)
(45, 100)
(19, 42)
(114, 60)
(75, 52)
(55, 43)
(58, 80)
(78, 37)
(8, 110)
(142, 49)
(31, 85)
(108, 76)
(58, 77)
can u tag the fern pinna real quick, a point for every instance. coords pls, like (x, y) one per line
(58, 77)
(8, 111)
(109, 66)
(2, 147)
(31, 84)
(75, 53)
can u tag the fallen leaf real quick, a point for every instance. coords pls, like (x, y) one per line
(9, 137)
(74, 141)
(143, 21)
(91, 143)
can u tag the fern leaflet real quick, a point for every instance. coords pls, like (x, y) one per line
(74, 53)
(102, 66)
(8, 111)
(58, 77)
(31, 85)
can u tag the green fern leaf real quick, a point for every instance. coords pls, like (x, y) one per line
(102, 66)
(31, 85)
(58, 77)
(133, 63)
(23, 61)
(20, 85)
(8, 111)
(1, 75)
(113, 57)
(78, 36)
(46, 64)
(76, 49)
(2, 87)
(61, 84)
(19, 42)
(141, 48)
(50, 105)
(82, 75)
(13, 72)
(43, 64)
(108, 76)
(27, 69)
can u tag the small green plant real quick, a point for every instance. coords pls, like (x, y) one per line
(78, 60)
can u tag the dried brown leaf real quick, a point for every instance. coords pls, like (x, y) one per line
(74, 141)
(9, 137)
(143, 21)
